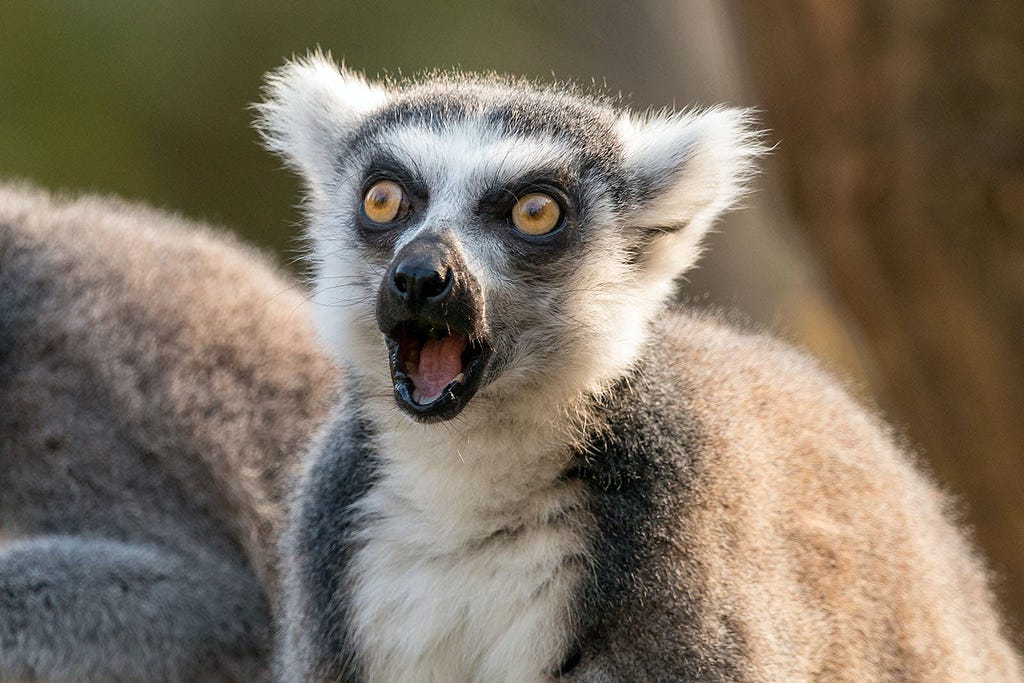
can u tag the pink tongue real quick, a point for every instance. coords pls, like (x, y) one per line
(439, 363)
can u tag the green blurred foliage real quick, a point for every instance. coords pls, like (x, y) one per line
(149, 100)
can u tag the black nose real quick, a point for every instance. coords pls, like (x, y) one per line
(420, 279)
(429, 283)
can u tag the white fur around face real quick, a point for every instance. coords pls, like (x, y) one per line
(457, 164)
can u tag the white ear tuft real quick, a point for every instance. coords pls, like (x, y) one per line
(689, 164)
(310, 104)
(690, 168)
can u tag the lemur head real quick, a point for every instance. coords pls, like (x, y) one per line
(474, 236)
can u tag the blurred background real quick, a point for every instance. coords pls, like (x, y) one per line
(886, 235)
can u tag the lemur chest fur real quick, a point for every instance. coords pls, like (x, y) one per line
(467, 562)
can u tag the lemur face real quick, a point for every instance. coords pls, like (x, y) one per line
(484, 245)
(479, 240)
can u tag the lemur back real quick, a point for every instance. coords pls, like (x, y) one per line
(539, 469)
(157, 383)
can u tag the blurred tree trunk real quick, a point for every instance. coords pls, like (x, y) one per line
(901, 129)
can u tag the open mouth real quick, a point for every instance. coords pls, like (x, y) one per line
(435, 370)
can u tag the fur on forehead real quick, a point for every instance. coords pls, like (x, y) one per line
(316, 112)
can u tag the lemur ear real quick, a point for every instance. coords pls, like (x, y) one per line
(689, 168)
(310, 104)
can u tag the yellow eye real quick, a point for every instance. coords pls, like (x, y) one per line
(385, 202)
(536, 214)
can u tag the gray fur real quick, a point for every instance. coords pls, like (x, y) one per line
(642, 468)
(85, 608)
(322, 543)
(156, 382)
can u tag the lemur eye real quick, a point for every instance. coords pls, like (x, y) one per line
(385, 202)
(536, 214)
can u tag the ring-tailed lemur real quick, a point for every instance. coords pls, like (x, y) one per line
(156, 381)
(539, 470)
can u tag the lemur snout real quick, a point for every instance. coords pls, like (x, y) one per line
(430, 309)
(428, 282)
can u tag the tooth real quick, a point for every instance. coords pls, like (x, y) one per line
(461, 377)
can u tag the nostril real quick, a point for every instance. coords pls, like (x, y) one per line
(418, 283)
(437, 287)
(401, 282)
